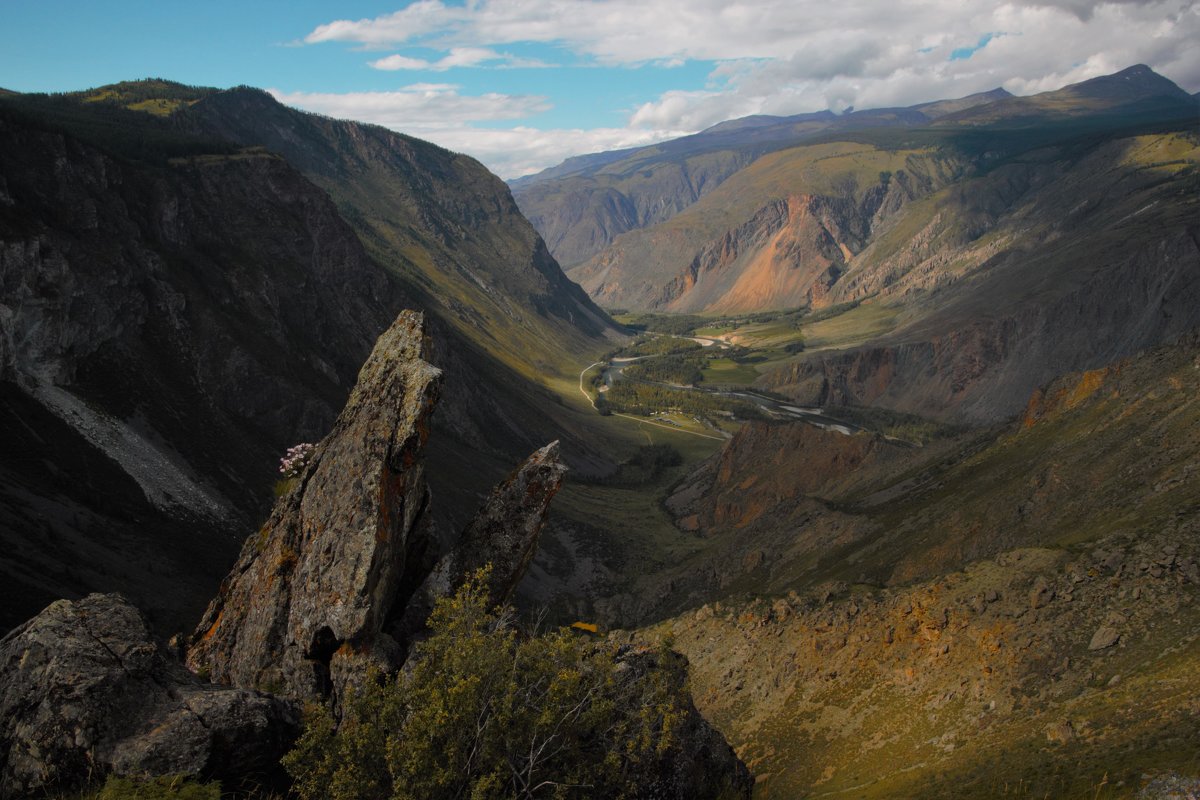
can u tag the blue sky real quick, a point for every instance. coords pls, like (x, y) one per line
(522, 84)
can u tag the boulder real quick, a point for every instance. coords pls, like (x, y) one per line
(85, 690)
(1040, 594)
(1104, 637)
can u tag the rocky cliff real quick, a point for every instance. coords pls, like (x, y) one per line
(304, 615)
(177, 307)
(778, 234)
(316, 583)
(338, 578)
(172, 329)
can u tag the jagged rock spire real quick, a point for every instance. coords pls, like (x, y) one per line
(504, 535)
(322, 573)
(316, 595)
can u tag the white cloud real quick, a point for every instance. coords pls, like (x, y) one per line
(400, 62)
(767, 56)
(521, 151)
(437, 112)
(1032, 48)
(419, 107)
(823, 41)
(456, 57)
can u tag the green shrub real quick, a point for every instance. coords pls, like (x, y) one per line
(487, 711)
(177, 787)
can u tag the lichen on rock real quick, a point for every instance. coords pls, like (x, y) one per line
(85, 690)
(321, 575)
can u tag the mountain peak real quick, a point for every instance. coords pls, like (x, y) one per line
(1132, 83)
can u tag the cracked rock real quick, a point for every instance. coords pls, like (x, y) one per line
(85, 690)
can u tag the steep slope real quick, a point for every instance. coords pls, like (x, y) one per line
(787, 507)
(178, 308)
(1016, 610)
(166, 331)
(778, 234)
(1062, 258)
(583, 204)
(506, 322)
(694, 262)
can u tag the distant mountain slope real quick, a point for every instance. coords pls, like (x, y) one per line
(1063, 258)
(178, 305)
(985, 254)
(1019, 609)
(583, 204)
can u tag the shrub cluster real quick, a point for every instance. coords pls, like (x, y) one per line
(484, 710)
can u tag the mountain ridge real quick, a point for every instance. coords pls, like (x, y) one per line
(241, 293)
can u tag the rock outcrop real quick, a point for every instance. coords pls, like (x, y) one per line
(316, 583)
(700, 764)
(503, 535)
(336, 580)
(85, 690)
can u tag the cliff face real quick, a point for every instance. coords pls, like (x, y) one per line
(1001, 290)
(176, 309)
(173, 329)
(580, 215)
(338, 578)
(765, 469)
(778, 234)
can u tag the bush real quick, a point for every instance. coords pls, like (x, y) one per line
(487, 711)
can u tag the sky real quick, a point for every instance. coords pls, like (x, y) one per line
(523, 84)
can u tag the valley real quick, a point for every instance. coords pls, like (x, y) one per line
(865, 445)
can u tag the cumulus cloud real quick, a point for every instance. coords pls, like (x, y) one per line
(667, 31)
(768, 56)
(417, 107)
(439, 113)
(456, 57)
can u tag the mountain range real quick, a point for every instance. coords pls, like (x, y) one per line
(982, 246)
(923, 522)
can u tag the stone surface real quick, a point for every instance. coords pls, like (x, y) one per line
(504, 535)
(1041, 593)
(1104, 637)
(84, 690)
(325, 568)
